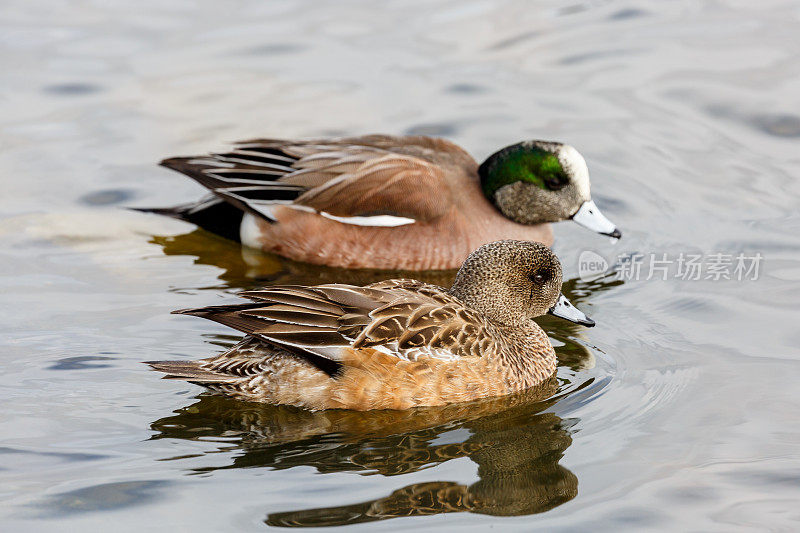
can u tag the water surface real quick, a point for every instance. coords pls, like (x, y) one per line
(677, 412)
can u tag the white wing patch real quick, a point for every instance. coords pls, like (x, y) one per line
(250, 234)
(388, 221)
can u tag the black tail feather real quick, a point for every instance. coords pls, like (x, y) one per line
(211, 213)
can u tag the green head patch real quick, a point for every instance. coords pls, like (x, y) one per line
(533, 162)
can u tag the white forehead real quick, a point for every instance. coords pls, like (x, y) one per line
(573, 163)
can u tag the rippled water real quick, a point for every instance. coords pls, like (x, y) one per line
(677, 412)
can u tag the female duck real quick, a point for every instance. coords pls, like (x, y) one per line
(405, 203)
(394, 344)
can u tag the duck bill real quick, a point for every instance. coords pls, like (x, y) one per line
(564, 309)
(589, 216)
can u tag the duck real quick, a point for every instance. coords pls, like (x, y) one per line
(386, 202)
(394, 344)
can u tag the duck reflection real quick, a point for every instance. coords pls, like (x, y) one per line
(516, 445)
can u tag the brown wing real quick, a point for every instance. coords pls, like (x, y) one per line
(406, 177)
(394, 185)
(403, 318)
(425, 322)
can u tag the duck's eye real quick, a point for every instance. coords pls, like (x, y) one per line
(537, 278)
(556, 181)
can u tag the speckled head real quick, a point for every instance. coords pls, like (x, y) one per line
(533, 182)
(511, 282)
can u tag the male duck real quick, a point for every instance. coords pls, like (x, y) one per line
(394, 344)
(384, 202)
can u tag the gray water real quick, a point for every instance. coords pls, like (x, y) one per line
(679, 411)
